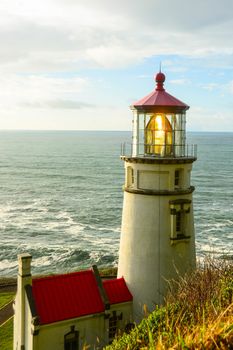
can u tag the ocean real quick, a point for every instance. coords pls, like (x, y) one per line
(61, 197)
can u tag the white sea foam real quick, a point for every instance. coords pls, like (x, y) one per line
(53, 216)
(75, 230)
(109, 229)
(41, 261)
(7, 264)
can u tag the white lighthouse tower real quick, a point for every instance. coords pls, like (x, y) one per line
(157, 237)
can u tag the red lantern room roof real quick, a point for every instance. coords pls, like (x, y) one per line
(159, 100)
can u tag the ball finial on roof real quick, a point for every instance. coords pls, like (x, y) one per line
(160, 79)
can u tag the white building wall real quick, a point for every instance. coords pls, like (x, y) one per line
(93, 330)
(148, 257)
(90, 328)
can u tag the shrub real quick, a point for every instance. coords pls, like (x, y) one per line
(198, 314)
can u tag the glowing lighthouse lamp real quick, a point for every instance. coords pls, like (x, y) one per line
(157, 236)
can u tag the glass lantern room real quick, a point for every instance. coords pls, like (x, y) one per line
(159, 124)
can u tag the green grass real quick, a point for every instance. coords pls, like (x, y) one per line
(6, 335)
(108, 271)
(198, 314)
(5, 298)
(6, 330)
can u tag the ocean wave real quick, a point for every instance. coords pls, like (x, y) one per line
(8, 266)
(61, 201)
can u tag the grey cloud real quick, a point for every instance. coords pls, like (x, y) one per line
(28, 37)
(147, 28)
(37, 46)
(162, 14)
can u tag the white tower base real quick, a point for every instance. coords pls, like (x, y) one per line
(157, 238)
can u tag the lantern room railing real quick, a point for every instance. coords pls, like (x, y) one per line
(158, 151)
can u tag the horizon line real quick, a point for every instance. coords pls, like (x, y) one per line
(105, 130)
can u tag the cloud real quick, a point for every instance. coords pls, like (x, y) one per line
(36, 90)
(229, 87)
(50, 47)
(201, 118)
(63, 33)
(179, 81)
(59, 104)
(210, 86)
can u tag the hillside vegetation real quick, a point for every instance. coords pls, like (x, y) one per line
(6, 335)
(198, 314)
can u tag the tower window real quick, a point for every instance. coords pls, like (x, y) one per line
(130, 176)
(178, 223)
(71, 340)
(179, 209)
(177, 178)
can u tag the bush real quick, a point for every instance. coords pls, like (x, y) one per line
(198, 314)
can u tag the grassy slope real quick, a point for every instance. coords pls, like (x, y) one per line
(5, 298)
(6, 330)
(198, 315)
(6, 335)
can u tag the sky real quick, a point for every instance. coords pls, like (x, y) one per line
(80, 64)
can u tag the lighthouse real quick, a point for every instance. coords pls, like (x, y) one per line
(157, 236)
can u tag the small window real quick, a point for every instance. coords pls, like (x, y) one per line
(179, 210)
(178, 223)
(177, 178)
(113, 325)
(71, 340)
(130, 176)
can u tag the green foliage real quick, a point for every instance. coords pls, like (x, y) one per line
(5, 298)
(198, 314)
(6, 335)
(108, 271)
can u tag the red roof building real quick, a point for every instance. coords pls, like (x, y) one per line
(117, 291)
(73, 295)
(68, 311)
